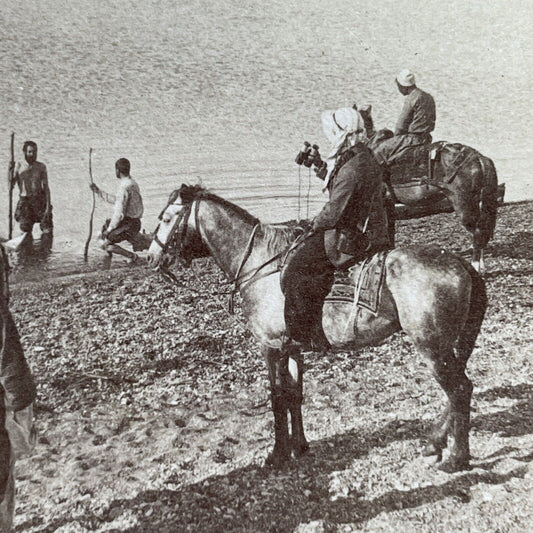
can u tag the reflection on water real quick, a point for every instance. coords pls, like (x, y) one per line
(37, 258)
(34, 252)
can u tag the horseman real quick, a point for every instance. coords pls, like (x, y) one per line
(415, 124)
(351, 226)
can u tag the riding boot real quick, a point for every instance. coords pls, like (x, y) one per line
(306, 279)
(304, 298)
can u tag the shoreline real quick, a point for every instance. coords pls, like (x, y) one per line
(58, 275)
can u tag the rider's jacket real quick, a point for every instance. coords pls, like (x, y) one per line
(418, 114)
(355, 205)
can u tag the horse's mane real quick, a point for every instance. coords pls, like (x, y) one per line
(189, 193)
(277, 237)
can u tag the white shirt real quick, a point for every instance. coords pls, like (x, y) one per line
(128, 202)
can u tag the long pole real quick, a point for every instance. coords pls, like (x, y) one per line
(11, 184)
(86, 251)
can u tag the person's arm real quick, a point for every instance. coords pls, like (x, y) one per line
(341, 193)
(13, 174)
(405, 118)
(105, 196)
(120, 208)
(46, 189)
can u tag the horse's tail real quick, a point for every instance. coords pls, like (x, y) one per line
(476, 312)
(488, 203)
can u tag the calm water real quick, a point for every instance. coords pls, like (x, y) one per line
(225, 94)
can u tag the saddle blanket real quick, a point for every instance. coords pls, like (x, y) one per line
(361, 284)
(412, 164)
(425, 163)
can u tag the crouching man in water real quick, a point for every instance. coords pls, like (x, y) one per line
(17, 394)
(125, 224)
(351, 226)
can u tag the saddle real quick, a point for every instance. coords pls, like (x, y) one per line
(362, 284)
(412, 164)
(425, 163)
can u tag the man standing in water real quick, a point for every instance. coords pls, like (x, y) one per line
(125, 223)
(415, 124)
(17, 394)
(34, 204)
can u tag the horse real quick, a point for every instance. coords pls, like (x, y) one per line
(434, 296)
(445, 173)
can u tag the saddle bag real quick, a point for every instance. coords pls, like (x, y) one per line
(345, 247)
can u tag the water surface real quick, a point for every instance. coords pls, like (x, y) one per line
(225, 93)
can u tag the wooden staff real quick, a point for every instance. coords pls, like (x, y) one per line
(86, 252)
(11, 184)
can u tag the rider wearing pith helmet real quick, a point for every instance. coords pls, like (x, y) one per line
(418, 114)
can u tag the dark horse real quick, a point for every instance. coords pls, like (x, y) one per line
(437, 298)
(450, 173)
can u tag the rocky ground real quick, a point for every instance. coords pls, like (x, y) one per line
(153, 411)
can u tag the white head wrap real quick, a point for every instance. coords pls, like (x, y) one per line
(343, 128)
(406, 78)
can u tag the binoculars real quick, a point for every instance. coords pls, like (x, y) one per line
(310, 156)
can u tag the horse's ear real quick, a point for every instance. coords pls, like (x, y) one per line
(173, 196)
(187, 193)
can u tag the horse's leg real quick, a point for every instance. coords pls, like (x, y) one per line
(477, 251)
(277, 370)
(475, 201)
(488, 209)
(438, 438)
(451, 376)
(478, 261)
(294, 388)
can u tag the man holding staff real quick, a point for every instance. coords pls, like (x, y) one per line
(34, 203)
(125, 224)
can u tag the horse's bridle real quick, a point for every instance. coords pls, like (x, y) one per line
(179, 230)
(175, 237)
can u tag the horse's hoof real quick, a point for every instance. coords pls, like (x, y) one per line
(276, 460)
(300, 450)
(454, 464)
(432, 449)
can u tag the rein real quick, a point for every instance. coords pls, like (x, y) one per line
(241, 279)
(244, 258)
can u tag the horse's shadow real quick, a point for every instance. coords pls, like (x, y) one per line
(513, 422)
(518, 246)
(251, 498)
